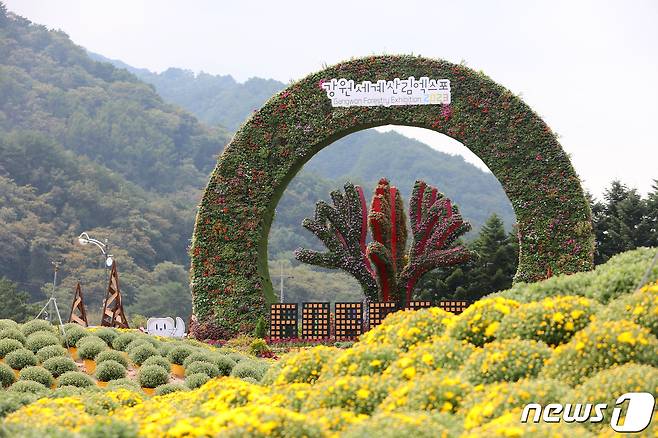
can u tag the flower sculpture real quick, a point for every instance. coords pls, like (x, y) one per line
(385, 268)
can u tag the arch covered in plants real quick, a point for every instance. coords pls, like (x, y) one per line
(230, 278)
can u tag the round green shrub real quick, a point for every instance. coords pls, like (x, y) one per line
(486, 402)
(479, 322)
(251, 380)
(12, 401)
(601, 345)
(506, 361)
(125, 383)
(444, 353)
(75, 378)
(19, 359)
(436, 391)
(37, 325)
(72, 334)
(106, 334)
(348, 393)
(110, 370)
(114, 355)
(605, 386)
(169, 388)
(37, 340)
(50, 351)
(7, 376)
(89, 350)
(423, 425)
(152, 376)
(8, 324)
(67, 391)
(195, 381)
(208, 369)
(142, 340)
(178, 354)
(121, 342)
(258, 347)
(361, 360)
(248, 368)
(29, 387)
(224, 363)
(59, 365)
(303, 366)
(8, 345)
(199, 356)
(641, 307)
(37, 374)
(13, 333)
(89, 338)
(165, 348)
(237, 357)
(159, 361)
(553, 320)
(142, 352)
(110, 427)
(137, 342)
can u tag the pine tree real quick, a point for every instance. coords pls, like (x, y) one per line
(14, 304)
(492, 270)
(622, 223)
(652, 215)
(497, 258)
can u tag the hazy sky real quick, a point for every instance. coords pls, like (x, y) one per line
(590, 68)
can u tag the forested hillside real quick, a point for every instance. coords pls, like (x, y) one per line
(87, 146)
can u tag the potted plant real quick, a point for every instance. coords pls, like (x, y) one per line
(19, 359)
(152, 376)
(109, 370)
(59, 365)
(88, 352)
(7, 346)
(75, 378)
(37, 374)
(177, 356)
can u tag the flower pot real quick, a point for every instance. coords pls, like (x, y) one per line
(101, 384)
(178, 370)
(90, 366)
(149, 391)
(73, 351)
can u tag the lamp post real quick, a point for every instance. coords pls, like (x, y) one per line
(84, 239)
(281, 280)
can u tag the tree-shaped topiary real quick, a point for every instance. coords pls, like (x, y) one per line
(385, 268)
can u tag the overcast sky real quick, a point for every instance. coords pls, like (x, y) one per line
(589, 68)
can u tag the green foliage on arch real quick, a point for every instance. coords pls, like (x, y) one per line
(230, 278)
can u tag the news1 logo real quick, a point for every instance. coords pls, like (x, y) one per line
(638, 412)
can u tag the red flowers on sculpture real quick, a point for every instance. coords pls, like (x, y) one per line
(385, 268)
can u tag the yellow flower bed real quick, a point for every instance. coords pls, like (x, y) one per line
(553, 320)
(479, 323)
(423, 374)
(603, 344)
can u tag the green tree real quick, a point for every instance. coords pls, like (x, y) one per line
(623, 222)
(164, 292)
(491, 271)
(13, 303)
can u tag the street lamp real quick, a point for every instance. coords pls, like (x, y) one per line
(84, 239)
(282, 277)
